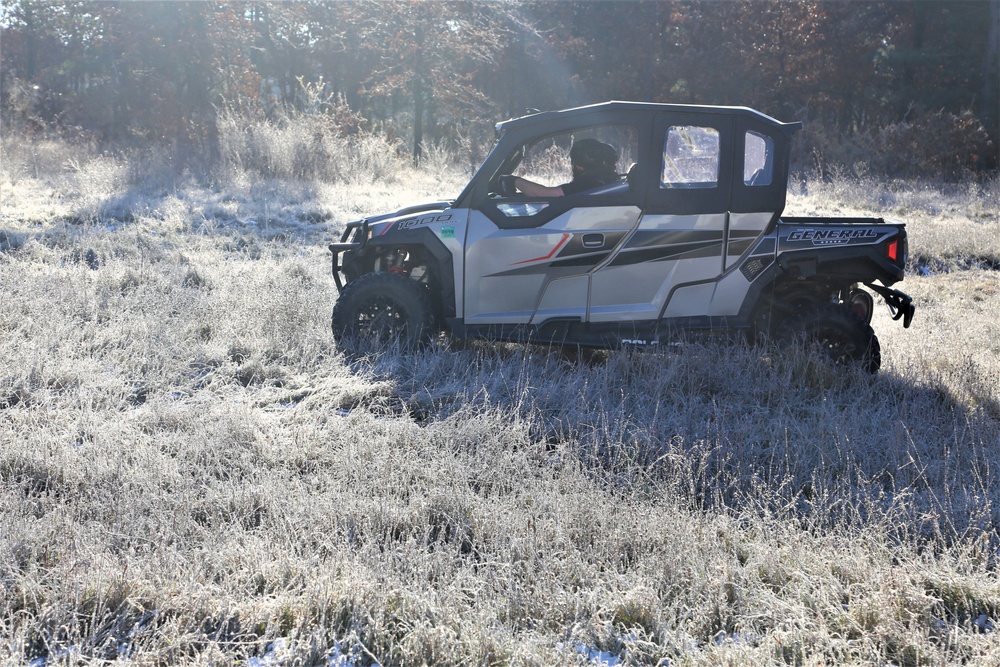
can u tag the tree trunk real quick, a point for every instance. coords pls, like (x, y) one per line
(991, 83)
(418, 95)
(418, 119)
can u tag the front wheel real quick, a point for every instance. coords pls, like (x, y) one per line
(839, 333)
(380, 309)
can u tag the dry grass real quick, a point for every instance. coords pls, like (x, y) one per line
(190, 472)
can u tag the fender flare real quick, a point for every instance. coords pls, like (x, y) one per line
(358, 261)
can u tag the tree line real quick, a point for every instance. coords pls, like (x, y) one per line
(889, 74)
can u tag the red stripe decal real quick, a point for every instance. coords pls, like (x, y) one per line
(562, 242)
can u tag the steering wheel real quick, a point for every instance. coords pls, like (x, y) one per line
(505, 186)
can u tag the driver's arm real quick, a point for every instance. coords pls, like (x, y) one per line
(533, 189)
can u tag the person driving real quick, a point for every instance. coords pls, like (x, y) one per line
(594, 164)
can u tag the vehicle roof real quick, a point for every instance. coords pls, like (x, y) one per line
(565, 116)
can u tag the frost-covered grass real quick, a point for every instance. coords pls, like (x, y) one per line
(190, 471)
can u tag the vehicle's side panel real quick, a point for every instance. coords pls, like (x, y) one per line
(509, 272)
(664, 250)
(730, 294)
(454, 241)
(561, 299)
(745, 229)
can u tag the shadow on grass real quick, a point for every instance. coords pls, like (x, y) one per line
(732, 428)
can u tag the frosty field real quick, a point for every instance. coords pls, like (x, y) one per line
(191, 472)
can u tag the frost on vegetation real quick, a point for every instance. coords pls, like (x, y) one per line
(900, 198)
(295, 176)
(592, 656)
(169, 401)
(284, 651)
(304, 147)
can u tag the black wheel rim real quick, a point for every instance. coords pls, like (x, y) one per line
(836, 344)
(381, 319)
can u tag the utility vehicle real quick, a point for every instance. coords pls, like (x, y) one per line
(689, 238)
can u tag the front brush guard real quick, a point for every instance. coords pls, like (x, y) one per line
(900, 304)
(360, 231)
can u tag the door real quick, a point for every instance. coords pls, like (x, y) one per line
(667, 267)
(529, 259)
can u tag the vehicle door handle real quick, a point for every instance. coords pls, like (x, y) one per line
(593, 240)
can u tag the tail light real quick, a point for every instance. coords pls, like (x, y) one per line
(896, 251)
(893, 251)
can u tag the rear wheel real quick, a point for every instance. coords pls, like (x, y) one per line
(380, 309)
(843, 336)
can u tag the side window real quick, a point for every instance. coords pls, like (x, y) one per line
(758, 159)
(690, 157)
(547, 159)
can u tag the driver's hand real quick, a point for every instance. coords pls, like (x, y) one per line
(505, 184)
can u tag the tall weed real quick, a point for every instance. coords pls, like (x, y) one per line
(302, 146)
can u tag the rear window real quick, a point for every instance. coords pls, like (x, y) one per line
(758, 161)
(690, 157)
